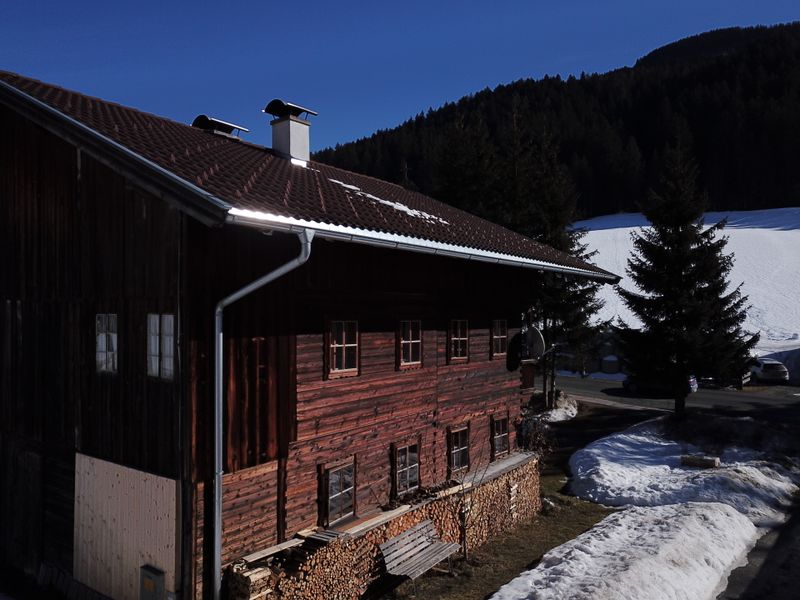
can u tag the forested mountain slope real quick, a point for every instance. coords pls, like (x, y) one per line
(733, 94)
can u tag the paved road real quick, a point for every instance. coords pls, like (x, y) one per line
(773, 402)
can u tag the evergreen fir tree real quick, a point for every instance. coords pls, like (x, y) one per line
(691, 323)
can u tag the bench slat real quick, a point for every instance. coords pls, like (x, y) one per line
(415, 551)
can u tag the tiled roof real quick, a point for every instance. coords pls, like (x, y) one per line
(249, 177)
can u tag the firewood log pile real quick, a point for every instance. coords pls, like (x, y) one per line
(345, 567)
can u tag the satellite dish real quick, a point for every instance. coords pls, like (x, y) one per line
(534, 341)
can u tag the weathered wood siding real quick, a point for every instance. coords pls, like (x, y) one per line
(76, 240)
(285, 419)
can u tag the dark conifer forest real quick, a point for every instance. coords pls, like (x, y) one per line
(731, 96)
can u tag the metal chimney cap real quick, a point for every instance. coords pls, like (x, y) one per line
(218, 125)
(278, 108)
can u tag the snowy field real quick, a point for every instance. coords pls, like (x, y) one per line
(766, 247)
(683, 529)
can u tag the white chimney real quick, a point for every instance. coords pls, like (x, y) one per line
(290, 133)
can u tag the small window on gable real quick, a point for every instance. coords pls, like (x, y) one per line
(340, 501)
(410, 343)
(459, 340)
(343, 347)
(499, 437)
(161, 346)
(499, 337)
(406, 460)
(105, 335)
(458, 442)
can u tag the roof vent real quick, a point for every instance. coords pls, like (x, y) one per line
(218, 126)
(290, 132)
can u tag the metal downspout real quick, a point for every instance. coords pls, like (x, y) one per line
(305, 237)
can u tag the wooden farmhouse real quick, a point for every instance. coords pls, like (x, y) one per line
(224, 364)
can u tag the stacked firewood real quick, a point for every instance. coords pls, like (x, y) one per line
(343, 568)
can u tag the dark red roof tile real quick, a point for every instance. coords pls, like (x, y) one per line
(251, 177)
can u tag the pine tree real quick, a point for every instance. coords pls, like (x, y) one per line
(691, 323)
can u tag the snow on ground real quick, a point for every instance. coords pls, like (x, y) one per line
(640, 466)
(560, 413)
(675, 551)
(767, 261)
(683, 531)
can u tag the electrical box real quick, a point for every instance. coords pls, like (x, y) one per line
(151, 583)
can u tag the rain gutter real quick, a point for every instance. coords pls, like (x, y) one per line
(305, 236)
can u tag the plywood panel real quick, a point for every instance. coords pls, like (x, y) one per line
(124, 518)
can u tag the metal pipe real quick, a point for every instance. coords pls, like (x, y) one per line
(305, 237)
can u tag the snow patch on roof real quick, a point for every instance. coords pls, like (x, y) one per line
(413, 212)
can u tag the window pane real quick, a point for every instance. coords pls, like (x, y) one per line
(167, 324)
(334, 508)
(152, 344)
(416, 330)
(347, 477)
(112, 342)
(413, 456)
(413, 476)
(100, 361)
(167, 367)
(405, 333)
(100, 323)
(415, 352)
(406, 353)
(167, 345)
(112, 323)
(101, 342)
(347, 503)
(152, 366)
(152, 324)
(402, 458)
(112, 362)
(351, 353)
(351, 331)
(334, 484)
(338, 358)
(402, 480)
(337, 332)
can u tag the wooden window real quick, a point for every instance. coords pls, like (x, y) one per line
(459, 340)
(343, 347)
(458, 442)
(406, 469)
(499, 337)
(161, 346)
(499, 437)
(105, 335)
(340, 483)
(410, 343)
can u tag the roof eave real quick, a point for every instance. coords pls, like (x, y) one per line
(150, 176)
(382, 239)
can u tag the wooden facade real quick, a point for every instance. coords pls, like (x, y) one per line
(79, 239)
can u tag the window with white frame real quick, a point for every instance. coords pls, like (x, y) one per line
(161, 346)
(344, 347)
(499, 437)
(341, 487)
(105, 335)
(406, 469)
(410, 343)
(459, 339)
(459, 449)
(499, 337)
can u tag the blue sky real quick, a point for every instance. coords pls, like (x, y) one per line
(362, 65)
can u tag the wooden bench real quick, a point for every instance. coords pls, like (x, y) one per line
(415, 551)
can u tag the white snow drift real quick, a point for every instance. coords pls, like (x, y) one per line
(640, 466)
(686, 531)
(677, 551)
